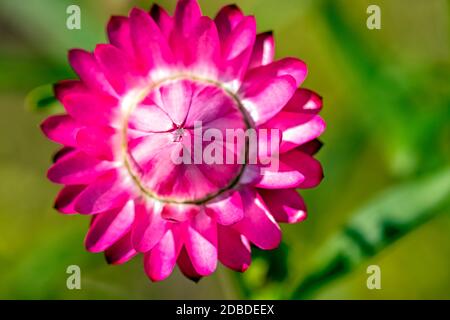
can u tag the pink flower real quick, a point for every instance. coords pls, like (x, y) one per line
(135, 106)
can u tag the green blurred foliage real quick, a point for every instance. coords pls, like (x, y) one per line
(385, 197)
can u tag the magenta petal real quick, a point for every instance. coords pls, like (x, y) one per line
(143, 119)
(305, 101)
(288, 66)
(69, 87)
(61, 129)
(285, 176)
(285, 205)
(179, 211)
(77, 168)
(149, 227)
(119, 34)
(108, 227)
(258, 224)
(311, 147)
(297, 128)
(263, 51)
(186, 267)
(91, 109)
(201, 243)
(151, 47)
(67, 197)
(100, 142)
(186, 15)
(234, 249)
(176, 99)
(264, 98)
(227, 19)
(114, 64)
(204, 47)
(109, 191)
(161, 260)
(227, 209)
(309, 167)
(87, 68)
(121, 251)
(162, 18)
(241, 38)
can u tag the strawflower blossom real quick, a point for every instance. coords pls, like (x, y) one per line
(137, 104)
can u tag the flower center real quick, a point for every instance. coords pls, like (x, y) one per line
(180, 140)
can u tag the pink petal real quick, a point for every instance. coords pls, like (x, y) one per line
(161, 260)
(150, 45)
(227, 19)
(109, 191)
(150, 118)
(149, 227)
(263, 51)
(264, 98)
(100, 142)
(119, 34)
(162, 18)
(77, 168)
(176, 99)
(204, 48)
(87, 68)
(297, 128)
(201, 243)
(187, 13)
(108, 227)
(61, 129)
(227, 209)
(121, 251)
(67, 197)
(305, 101)
(69, 87)
(297, 170)
(179, 211)
(91, 109)
(234, 249)
(285, 205)
(186, 267)
(241, 38)
(115, 65)
(288, 66)
(258, 225)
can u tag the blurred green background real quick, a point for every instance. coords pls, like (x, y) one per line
(385, 199)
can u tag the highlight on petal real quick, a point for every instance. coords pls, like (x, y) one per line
(227, 209)
(201, 243)
(263, 51)
(258, 225)
(263, 99)
(160, 261)
(148, 227)
(297, 128)
(285, 205)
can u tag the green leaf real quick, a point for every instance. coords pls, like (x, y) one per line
(43, 100)
(392, 214)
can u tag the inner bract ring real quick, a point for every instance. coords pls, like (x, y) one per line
(172, 127)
